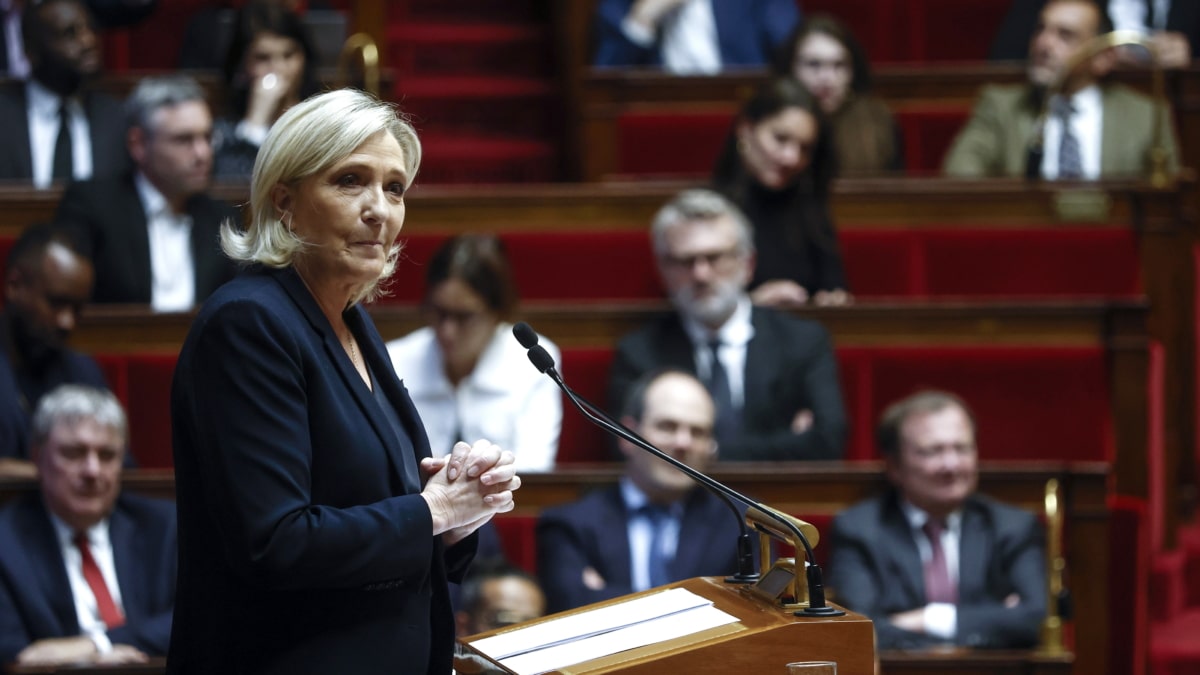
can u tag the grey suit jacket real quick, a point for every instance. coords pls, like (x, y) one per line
(996, 139)
(875, 569)
(105, 120)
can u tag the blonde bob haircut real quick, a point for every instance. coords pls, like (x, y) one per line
(309, 138)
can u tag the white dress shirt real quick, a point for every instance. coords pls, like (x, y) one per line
(1131, 14)
(87, 610)
(172, 270)
(1087, 124)
(735, 335)
(941, 618)
(504, 400)
(689, 39)
(42, 107)
(640, 530)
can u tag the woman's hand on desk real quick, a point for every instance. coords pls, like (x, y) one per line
(468, 487)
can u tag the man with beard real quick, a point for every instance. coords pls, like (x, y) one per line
(931, 561)
(154, 232)
(1093, 129)
(46, 284)
(773, 376)
(53, 128)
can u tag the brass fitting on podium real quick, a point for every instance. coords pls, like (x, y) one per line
(364, 46)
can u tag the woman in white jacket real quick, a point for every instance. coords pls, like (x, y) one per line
(467, 375)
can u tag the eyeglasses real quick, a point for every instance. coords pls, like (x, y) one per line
(436, 316)
(716, 259)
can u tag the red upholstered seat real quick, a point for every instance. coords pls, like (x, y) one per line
(928, 133)
(148, 404)
(670, 144)
(586, 371)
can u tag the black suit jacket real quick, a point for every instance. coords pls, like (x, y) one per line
(35, 595)
(790, 366)
(1011, 42)
(592, 532)
(106, 123)
(875, 569)
(301, 548)
(111, 214)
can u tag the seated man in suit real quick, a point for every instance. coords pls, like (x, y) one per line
(773, 376)
(154, 232)
(656, 526)
(932, 562)
(1093, 129)
(47, 281)
(692, 37)
(63, 49)
(86, 574)
(496, 594)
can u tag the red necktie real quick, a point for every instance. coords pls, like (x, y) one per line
(109, 612)
(938, 585)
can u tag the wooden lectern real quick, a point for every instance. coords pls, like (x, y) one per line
(763, 640)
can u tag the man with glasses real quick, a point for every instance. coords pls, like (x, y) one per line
(772, 375)
(932, 562)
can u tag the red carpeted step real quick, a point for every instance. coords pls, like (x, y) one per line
(1175, 645)
(1189, 543)
(505, 107)
(470, 49)
(481, 159)
(1168, 585)
(470, 10)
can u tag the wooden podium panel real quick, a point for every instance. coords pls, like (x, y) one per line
(763, 640)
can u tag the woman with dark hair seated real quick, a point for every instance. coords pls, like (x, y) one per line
(466, 373)
(827, 59)
(777, 166)
(270, 66)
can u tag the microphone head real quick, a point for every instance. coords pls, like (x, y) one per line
(541, 358)
(525, 335)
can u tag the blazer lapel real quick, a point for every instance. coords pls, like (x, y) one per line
(974, 551)
(126, 553)
(47, 566)
(696, 550)
(615, 551)
(21, 148)
(761, 367)
(902, 555)
(133, 219)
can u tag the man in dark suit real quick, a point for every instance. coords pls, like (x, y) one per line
(46, 284)
(932, 562)
(773, 376)
(154, 232)
(86, 574)
(654, 527)
(63, 49)
(692, 36)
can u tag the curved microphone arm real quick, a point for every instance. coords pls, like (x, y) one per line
(542, 360)
(1118, 38)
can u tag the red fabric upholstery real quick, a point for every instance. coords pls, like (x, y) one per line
(669, 144)
(1128, 593)
(586, 371)
(518, 538)
(928, 133)
(149, 408)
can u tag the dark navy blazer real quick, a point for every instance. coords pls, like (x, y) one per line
(35, 595)
(301, 549)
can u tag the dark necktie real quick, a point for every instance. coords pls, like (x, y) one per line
(657, 561)
(109, 612)
(939, 587)
(1070, 166)
(727, 423)
(63, 152)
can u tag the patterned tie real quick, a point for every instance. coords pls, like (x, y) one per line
(938, 585)
(727, 424)
(1070, 166)
(657, 561)
(63, 159)
(110, 614)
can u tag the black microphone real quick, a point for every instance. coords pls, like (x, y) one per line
(817, 606)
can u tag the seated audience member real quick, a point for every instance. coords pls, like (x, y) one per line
(63, 49)
(1093, 129)
(654, 527)
(87, 574)
(496, 594)
(47, 281)
(773, 376)
(691, 37)
(153, 232)
(776, 167)
(933, 562)
(1173, 26)
(466, 373)
(270, 67)
(827, 59)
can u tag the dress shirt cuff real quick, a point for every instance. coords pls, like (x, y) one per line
(100, 639)
(254, 134)
(941, 620)
(637, 34)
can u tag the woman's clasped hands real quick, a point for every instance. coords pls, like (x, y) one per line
(467, 487)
